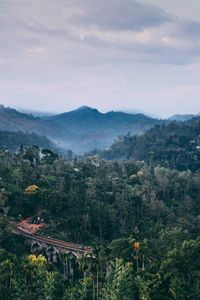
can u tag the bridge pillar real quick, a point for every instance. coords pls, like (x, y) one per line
(69, 261)
(52, 254)
(68, 270)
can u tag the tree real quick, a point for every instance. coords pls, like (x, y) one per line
(120, 283)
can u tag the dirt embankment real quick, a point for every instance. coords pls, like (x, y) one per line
(30, 228)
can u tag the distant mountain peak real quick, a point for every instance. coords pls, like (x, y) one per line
(82, 129)
(182, 117)
(86, 108)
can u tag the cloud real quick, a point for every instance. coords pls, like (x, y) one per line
(94, 50)
(120, 15)
(137, 31)
(189, 29)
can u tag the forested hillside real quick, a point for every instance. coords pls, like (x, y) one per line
(183, 117)
(176, 145)
(142, 221)
(13, 121)
(13, 140)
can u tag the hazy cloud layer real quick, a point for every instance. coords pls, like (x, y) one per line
(137, 55)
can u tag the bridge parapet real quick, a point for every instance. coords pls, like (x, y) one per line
(38, 243)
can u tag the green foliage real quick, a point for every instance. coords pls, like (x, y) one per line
(111, 206)
(80, 291)
(120, 282)
(176, 145)
(13, 140)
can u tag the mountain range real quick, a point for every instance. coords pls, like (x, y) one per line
(80, 130)
(183, 117)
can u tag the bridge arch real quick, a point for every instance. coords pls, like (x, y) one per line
(36, 247)
(69, 261)
(52, 254)
(72, 254)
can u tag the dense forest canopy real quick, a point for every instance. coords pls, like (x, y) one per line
(141, 219)
(13, 140)
(176, 145)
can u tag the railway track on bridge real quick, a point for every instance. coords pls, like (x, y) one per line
(54, 242)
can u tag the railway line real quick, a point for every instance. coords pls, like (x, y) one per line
(54, 242)
(29, 231)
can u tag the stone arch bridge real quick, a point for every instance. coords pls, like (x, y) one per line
(54, 250)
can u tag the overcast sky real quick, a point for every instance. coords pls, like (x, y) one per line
(126, 55)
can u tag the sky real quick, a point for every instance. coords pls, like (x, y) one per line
(130, 55)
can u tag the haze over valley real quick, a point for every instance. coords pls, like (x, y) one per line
(81, 130)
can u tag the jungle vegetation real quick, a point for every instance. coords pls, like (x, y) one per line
(142, 219)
